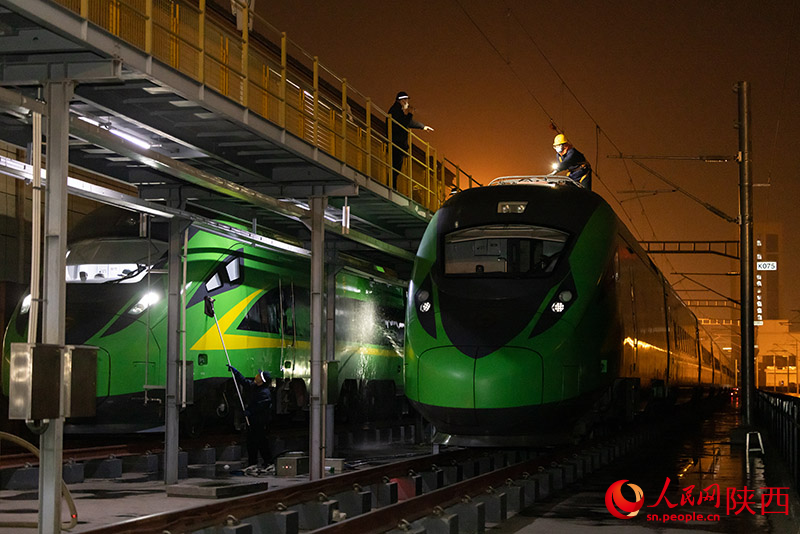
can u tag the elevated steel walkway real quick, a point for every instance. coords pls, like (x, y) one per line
(171, 97)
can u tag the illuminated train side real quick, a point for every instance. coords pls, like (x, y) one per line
(116, 301)
(533, 314)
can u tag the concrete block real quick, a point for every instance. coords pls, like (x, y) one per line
(499, 460)
(556, 477)
(408, 529)
(383, 494)
(530, 490)
(231, 453)
(496, 504)
(543, 485)
(452, 474)
(354, 502)
(207, 455)
(241, 528)
(216, 489)
(103, 468)
(315, 514)
(586, 461)
(24, 478)
(283, 522)
(140, 463)
(409, 486)
(432, 480)
(604, 455)
(469, 468)
(72, 473)
(576, 466)
(202, 471)
(439, 524)
(570, 472)
(515, 498)
(596, 459)
(183, 464)
(471, 516)
(484, 464)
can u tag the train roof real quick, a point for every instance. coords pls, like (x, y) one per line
(551, 201)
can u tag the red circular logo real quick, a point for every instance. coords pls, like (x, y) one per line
(621, 507)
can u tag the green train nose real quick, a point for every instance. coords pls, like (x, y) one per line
(506, 378)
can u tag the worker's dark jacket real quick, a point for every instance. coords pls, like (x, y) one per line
(259, 399)
(574, 162)
(401, 124)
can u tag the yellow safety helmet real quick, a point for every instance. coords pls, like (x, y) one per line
(560, 139)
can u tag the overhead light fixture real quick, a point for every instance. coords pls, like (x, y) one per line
(141, 143)
(128, 137)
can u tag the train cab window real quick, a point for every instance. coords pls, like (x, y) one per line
(232, 268)
(503, 250)
(124, 260)
(213, 283)
(228, 273)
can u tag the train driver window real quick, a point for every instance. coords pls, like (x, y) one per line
(230, 272)
(512, 250)
(124, 260)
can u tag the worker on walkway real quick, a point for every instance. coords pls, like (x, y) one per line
(402, 120)
(572, 161)
(258, 413)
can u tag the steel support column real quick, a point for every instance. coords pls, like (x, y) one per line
(54, 292)
(746, 256)
(317, 430)
(330, 347)
(172, 386)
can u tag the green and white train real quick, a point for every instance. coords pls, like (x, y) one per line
(534, 315)
(116, 301)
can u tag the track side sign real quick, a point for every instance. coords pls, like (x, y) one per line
(766, 265)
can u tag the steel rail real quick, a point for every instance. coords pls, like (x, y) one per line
(216, 513)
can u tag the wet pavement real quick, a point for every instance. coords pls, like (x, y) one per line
(102, 502)
(693, 478)
(694, 470)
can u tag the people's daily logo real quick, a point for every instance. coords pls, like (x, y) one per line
(621, 507)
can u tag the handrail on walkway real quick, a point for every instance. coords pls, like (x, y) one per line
(249, 61)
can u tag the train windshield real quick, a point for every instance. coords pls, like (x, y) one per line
(503, 250)
(124, 260)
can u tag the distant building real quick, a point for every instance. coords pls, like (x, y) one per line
(768, 252)
(776, 357)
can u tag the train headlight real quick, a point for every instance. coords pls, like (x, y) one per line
(145, 302)
(423, 302)
(565, 296)
(557, 307)
(512, 206)
(26, 305)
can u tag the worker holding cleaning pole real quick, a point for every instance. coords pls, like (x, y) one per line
(259, 408)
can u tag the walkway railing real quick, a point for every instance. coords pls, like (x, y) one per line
(780, 415)
(246, 59)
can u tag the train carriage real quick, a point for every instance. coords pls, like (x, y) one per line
(533, 314)
(116, 301)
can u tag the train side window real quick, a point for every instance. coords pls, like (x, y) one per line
(296, 312)
(263, 315)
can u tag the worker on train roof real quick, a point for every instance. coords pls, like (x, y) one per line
(573, 161)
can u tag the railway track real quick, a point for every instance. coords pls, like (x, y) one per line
(463, 486)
